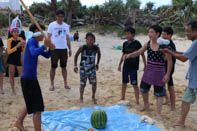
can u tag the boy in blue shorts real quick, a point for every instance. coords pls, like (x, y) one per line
(131, 65)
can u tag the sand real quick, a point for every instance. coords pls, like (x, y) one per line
(108, 91)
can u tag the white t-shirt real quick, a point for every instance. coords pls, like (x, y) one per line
(59, 33)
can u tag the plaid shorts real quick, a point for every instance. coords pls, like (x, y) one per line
(90, 74)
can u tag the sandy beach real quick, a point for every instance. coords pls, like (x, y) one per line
(108, 91)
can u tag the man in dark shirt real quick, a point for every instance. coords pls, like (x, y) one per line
(131, 65)
(167, 34)
(76, 36)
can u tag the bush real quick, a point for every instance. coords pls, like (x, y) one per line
(4, 20)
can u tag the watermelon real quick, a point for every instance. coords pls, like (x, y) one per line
(99, 119)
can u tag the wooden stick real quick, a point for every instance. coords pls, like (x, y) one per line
(33, 19)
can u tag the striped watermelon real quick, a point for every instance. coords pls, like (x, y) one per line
(99, 119)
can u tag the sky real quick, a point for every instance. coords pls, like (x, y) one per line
(98, 2)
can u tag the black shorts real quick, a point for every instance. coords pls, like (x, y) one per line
(171, 82)
(59, 54)
(159, 91)
(32, 95)
(14, 60)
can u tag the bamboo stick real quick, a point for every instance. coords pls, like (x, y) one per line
(32, 18)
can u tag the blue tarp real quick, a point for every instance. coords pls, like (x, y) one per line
(119, 119)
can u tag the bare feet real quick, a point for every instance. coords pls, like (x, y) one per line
(67, 87)
(1, 92)
(18, 124)
(159, 117)
(173, 109)
(94, 100)
(52, 88)
(14, 93)
(137, 106)
(81, 100)
(122, 99)
(166, 103)
(145, 109)
(179, 124)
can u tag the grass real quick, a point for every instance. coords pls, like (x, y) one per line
(107, 29)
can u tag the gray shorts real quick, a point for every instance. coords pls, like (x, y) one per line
(190, 95)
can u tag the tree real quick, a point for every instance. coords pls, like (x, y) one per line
(150, 6)
(40, 8)
(54, 5)
(185, 8)
(133, 6)
(69, 14)
(94, 13)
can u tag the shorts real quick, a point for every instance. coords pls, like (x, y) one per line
(32, 95)
(1, 65)
(190, 95)
(14, 60)
(90, 74)
(159, 91)
(171, 82)
(129, 74)
(59, 54)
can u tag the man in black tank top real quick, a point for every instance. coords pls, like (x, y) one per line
(87, 65)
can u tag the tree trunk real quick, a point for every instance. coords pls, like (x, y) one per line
(134, 17)
(54, 5)
(69, 15)
(187, 14)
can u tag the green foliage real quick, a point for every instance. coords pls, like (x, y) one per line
(133, 4)
(113, 13)
(185, 8)
(179, 31)
(3, 20)
(42, 9)
(107, 29)
(113, 8)
(150, 5)
(141, 30)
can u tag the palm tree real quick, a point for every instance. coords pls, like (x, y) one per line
(133, 6)
(150, 6)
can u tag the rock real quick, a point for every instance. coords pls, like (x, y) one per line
(124, 103)
(74, 108)
(148, 120)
